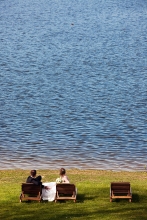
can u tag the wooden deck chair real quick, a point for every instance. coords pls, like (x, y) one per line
(30, 191)
(65, 191)
(120, 190)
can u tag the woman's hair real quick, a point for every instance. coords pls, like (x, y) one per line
(62, 171)
(33, 173)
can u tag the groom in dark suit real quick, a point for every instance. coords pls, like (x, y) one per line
(36, 180)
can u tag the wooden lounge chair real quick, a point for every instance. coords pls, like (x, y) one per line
(120, 190)
(30, 191)
(65, 191)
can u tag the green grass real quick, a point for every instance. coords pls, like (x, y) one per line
(92, 200)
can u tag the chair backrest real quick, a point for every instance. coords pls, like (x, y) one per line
(65, 188)
(30, 188)
(120, 186)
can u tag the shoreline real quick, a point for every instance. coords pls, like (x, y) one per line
(73, 170)
(53, 165)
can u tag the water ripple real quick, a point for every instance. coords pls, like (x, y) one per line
(73, 84)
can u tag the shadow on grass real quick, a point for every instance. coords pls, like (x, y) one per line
(52, 211)
(80, 199)
(135, 198)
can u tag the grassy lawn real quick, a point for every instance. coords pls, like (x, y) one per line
(92, 200)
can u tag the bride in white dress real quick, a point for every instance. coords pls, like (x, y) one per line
(49, 192)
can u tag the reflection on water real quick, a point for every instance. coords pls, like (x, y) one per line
(73, 84)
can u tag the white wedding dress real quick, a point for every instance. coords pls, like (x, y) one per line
(49, 194)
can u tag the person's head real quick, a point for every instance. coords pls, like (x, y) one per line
(62, 171)
(33, 173)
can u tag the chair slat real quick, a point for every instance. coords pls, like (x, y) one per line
(65, 191)
(30, 191)
(120, 190)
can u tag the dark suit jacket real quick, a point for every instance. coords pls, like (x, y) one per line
(36, 180)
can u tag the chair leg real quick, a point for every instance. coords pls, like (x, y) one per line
(20, 198)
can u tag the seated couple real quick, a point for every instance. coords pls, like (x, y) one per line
(48, 189)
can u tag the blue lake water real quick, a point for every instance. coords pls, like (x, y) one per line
(73, 84)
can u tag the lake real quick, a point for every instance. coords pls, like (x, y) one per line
(73, 84)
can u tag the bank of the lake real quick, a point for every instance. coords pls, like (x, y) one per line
(92, 200)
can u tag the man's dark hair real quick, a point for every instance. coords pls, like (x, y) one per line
(33, 173)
